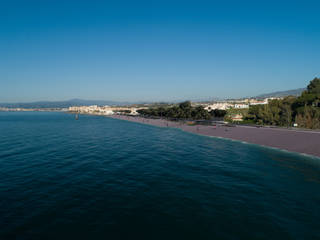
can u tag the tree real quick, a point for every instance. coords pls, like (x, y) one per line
(218, 113)
(185, 105)
(304, 110)
(182, 111)
(314, 86)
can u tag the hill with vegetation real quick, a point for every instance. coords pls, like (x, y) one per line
(294, 92)
(303, 110)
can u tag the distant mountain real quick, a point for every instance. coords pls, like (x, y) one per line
(83, 102)
(62, 104)
(294, 92)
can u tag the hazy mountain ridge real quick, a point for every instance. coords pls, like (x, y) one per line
(61, 104)
(83, 102)
(293, 92)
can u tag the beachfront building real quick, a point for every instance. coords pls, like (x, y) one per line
(241, 106)
(127, 110)
(237, 104)
(104, 110)
(226, 105)
(258, 102)
(237, 118)
(218, 105)
(263, 101)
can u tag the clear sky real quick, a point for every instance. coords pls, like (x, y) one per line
(155, 50)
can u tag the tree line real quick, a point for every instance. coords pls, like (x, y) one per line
(183, 110)
(303, 110)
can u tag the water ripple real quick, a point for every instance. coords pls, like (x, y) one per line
(99, 178)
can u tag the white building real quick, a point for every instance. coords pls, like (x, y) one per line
(105, 110)
(241, 106)
(219, 105)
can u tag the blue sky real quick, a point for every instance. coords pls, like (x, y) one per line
(155, 50)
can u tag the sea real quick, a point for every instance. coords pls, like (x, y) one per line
(103, 178)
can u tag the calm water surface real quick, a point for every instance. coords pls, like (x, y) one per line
(100, 178)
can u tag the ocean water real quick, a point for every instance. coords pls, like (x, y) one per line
(101, 178)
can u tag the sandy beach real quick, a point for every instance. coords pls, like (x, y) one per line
(300, 141)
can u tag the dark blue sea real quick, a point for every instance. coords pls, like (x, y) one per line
(101, 178)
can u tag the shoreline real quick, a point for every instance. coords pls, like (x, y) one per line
(301, 141)
(296, 141)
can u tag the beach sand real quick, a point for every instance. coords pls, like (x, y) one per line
(300, 141)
